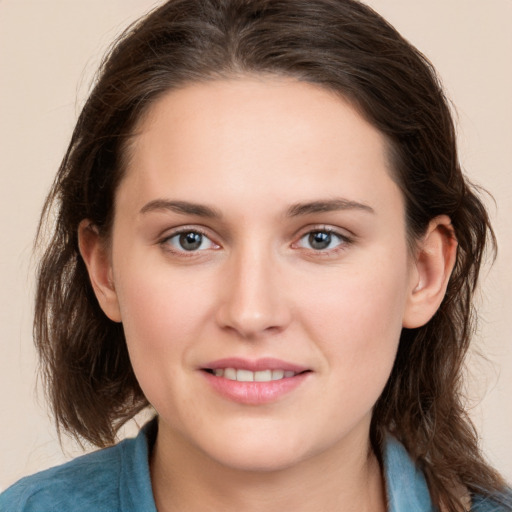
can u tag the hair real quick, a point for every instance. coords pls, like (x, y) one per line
(340, 45)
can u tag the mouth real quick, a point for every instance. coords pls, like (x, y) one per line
(255, 382)
(243, 375)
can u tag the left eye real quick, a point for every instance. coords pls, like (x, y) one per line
(321, 240)
(190, 241)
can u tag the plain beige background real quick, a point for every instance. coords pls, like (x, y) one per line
(48, 52)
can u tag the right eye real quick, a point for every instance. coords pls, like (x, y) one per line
(189, 241)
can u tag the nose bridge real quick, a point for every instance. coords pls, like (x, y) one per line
(253, 299)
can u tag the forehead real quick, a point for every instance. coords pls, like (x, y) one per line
(286, 139)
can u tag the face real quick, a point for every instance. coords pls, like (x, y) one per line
(261, 271)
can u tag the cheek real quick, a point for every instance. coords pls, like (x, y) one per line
(162, 318)
(162, 312)
(358, 318)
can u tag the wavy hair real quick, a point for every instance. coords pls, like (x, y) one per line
(343, 46)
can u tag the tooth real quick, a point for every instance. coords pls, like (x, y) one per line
(249, 376)
(244, 375)
(277, 374)
(263, 376)
(230, 373)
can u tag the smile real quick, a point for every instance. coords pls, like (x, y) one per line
(242, 375)
(255, 382)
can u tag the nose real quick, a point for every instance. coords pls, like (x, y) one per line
(253, 298)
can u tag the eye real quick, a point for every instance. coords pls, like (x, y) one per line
(322, 240)
(189, 241)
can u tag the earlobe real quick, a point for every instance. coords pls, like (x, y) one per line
(97, 261)
(435, 259)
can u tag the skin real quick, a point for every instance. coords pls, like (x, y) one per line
(251, 150)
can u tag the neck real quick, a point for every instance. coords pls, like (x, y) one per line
(340, 480)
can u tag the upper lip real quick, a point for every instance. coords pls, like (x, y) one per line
(265, 363)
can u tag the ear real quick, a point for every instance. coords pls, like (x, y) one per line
(97, 260)
(433, 265)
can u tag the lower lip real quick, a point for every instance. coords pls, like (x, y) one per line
(255, 393)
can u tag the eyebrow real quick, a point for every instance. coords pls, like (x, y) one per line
(183, 207)
(329, 205)
(295, 210)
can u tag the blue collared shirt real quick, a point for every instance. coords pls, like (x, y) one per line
(405, 484)
(117, 479)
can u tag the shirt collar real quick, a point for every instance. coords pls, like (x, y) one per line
(405, 483)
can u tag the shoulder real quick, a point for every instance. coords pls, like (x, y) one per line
(407, 488)
(498, 503)
(89, 479)
(108, 480)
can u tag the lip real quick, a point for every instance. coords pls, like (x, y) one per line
(255, 393)
(265, 363)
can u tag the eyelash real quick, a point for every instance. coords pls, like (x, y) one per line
(344, 241)
(166, 242)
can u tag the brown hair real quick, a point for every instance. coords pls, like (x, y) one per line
(341, 45)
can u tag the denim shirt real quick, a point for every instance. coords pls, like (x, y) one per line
(117, 479)
(405, 484)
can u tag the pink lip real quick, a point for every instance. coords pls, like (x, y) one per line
(255, 393)
(266, 363)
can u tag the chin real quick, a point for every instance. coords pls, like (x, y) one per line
(260, 452)
(264, 461)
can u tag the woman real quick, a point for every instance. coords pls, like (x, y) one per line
(263, 232)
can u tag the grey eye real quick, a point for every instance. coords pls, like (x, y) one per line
(190, 241)
(319, 240)
(322, 240)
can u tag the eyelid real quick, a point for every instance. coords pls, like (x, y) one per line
(344, 233)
